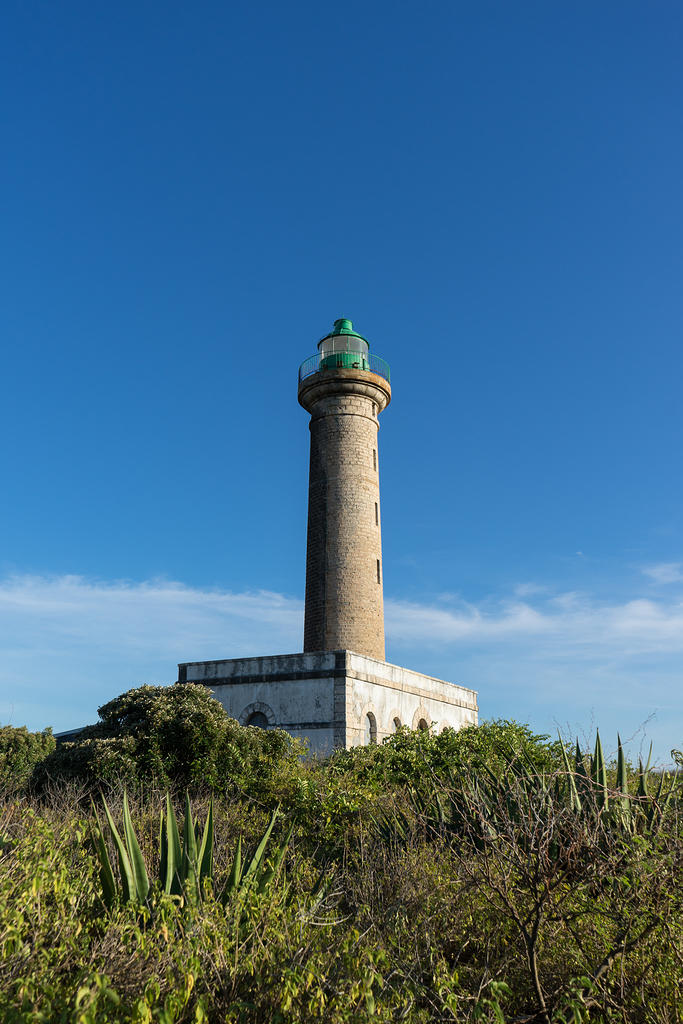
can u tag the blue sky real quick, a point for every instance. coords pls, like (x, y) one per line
(191, 194)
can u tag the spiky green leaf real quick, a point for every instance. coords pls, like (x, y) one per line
(135, 854)
(106, 873)
(255, 862)
(163, 851)
(599, 774)
(127, 876)
(574, 799)
(190, 843)
(268, 874)
(172, 880)
(235, 875)
(205, 855)
(642, 781)
(622, 785)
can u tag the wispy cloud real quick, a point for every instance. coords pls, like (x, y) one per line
(410, 622)
(566, 622)
(665, 572)
(153, 617)
(67, 644)
(529, 589)
(567, 660)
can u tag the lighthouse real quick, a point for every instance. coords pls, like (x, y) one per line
(345, 388)
(340, 691)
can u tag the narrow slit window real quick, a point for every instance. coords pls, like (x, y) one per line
(374, 459)
(376, 514)
(379, 578)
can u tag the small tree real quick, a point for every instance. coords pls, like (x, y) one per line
(173, 736)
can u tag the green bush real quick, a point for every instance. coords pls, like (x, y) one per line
(411, 757)
(20, 752)
(175, 737)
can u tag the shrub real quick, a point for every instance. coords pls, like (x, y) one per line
(20, 752)
(174, 737)
(551, 915)
(409, 757)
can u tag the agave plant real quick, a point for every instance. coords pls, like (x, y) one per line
(256, 872)
(133, 873)
(477, 804)
(184, 866)
(185, 859)
(588, 790)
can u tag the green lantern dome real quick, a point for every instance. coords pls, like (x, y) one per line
(343, 328)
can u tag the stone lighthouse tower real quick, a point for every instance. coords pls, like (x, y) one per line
(340, 691)
(345, 388)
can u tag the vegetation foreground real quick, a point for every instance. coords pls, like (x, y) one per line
(172, 866)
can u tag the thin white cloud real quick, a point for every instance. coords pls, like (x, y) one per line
(68, 644)
(170, 619)
(665, 572)
(156, 616)
(565, 622)
(529, 589)
(410, 622)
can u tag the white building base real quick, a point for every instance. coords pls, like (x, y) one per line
(333, 699)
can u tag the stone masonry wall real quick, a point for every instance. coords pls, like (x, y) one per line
(344, 573)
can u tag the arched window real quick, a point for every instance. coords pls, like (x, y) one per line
(258, 715)
(370, 730)
(397, 724)
(423, 725)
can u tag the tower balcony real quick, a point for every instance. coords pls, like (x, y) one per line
(343, 357)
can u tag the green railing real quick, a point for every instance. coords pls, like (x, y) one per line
(345, 361)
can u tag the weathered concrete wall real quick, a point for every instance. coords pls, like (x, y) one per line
(268, 667)
(304, 708)
(295, 692)
(326, 696)
(344, 573)
(397, 696)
